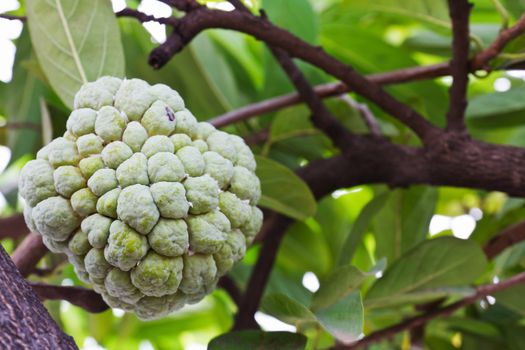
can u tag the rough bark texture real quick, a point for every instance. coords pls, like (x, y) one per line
(24, 322)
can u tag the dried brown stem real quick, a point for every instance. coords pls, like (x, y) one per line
(510, 236)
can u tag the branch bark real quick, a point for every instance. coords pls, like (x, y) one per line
(24, 322)
(459, 66)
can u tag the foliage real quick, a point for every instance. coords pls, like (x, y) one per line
(348, 239)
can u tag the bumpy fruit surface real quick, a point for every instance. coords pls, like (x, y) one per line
(149, 205)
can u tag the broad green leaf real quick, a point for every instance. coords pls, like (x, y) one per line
(429, 11)
(497, 109)
(289, 123)
(360, 226)
(283, 191)
(512, 298)
(343, 281)
(344, 319)
(258, 340)
(403, 220)
(427, 271)
(75, 42)
(288, 310)
(303, 240)
(298, 17)
(22, 104)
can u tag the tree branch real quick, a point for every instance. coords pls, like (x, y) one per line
(480, 61)
(143, 18)
(13, 226)
(203, 18)
(321, 117)
(28, 254)
(413, 322)
(505, 36)
(459, 66)
(24, 321)
(261, 272)
(79, 296)
(365, 112)
(507, 238)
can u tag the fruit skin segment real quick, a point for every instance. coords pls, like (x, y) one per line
(149, 205)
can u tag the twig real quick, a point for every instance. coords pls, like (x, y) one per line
(13, 226)
(505, 36)
(508, 237)
(142, 17)
(480, 61)
(196, 21)
(459, 66)
(183, 5)
(321, 117)
(365, 113)
(28, 254)
(410, 323)
(13, 18)
(79, 296)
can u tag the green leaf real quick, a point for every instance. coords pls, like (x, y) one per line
(497, 109)
(283, 191)
(360, 226)
(512, 298)
(258, 340)
(288, 310)
(75, 42)
(343, 281)
(429, 11)
(22, 103)
(403, 221)
(427, 271)
(344, 319)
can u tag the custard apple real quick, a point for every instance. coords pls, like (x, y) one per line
(150, 206)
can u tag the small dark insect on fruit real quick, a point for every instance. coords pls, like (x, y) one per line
(170, 114)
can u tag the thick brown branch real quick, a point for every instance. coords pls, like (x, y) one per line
(453, 162)
(79, 296)
(13, 226)
(413, 322)
(459, 66)
(507, 238)
(203, 18)
(24, 322)
(28, 254)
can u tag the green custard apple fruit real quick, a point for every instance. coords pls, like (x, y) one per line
(150, 206)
